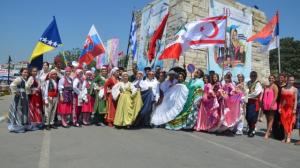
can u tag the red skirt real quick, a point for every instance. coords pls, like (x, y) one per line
(111, 109)
(288, 118)
(35, 108)
(64, 108)
(88, 107)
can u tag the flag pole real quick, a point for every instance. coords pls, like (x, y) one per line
(225, 49)
(279, 64)
(278, 43)
(127, 52)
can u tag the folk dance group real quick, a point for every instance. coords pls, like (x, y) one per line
(150, 99)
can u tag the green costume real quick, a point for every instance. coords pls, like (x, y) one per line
(188, 116)
(100, 104)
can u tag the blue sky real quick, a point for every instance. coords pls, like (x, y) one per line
(23, 22)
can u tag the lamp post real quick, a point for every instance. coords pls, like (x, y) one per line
(8, 75)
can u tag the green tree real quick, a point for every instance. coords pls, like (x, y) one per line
(290, 57)
(72, 55)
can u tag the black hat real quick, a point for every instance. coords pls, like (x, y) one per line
(147, 69)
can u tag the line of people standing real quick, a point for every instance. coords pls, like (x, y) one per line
(151, 99)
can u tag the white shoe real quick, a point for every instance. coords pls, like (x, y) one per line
(239, 132)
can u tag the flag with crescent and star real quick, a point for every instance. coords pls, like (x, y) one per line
(48, 42)
(198, 34)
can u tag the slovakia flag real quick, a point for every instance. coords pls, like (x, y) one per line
(92, 48)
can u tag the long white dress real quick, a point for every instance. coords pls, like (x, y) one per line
(175, 96)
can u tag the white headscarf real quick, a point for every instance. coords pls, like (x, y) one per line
(113, 71)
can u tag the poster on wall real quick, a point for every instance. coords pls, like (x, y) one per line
(152, 16)
(236, 57)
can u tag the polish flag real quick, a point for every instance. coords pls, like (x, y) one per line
(92, 47)
(198, 34)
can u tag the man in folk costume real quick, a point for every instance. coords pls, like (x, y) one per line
(58, 65)
(88, 98)
(65, 104)
(100, 103)
(111, 103)
(252, 108)
(77, 103)
(51, 99)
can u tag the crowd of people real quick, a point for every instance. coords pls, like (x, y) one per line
(111, 97)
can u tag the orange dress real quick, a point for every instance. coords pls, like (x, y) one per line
(111, 104)
(287, 117)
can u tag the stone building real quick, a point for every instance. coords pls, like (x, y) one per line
(183, 11)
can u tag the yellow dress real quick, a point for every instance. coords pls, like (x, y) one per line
(129, 104)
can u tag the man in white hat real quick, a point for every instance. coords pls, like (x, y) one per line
(51, 99)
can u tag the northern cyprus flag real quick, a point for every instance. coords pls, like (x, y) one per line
(198, 34)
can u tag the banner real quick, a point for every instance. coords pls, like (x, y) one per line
(112, 51)
(236, 58)
(101, 60)
(152, 16)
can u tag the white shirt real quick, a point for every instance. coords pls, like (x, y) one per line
(62, 82)
(257, 90)
(142, 84)
(77, 86)
(153, 83)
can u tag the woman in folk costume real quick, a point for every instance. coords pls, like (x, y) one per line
(252, 108)
(209, 114)
(231, 99)
(51, 99)
(110, 102)
(129, 102)
(242, 87)
(174, 97)
(18, 109)
(65, 104)
(33, 85)
(288, 108)
(100, 103)
(188, 116)
(269, 103)
(150, 94)
(78, 99)
(88, 98)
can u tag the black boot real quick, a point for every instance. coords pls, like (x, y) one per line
(53, 126)
(47, 127)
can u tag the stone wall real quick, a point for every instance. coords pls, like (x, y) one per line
(184, 11)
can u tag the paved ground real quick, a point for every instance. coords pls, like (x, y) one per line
(154, 148)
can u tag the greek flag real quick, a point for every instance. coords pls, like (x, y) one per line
(132, 38)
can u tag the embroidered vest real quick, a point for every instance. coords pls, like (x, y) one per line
(52, 91)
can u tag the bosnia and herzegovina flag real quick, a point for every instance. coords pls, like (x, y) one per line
(269, 35)
(48, 42)
(92, 47)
